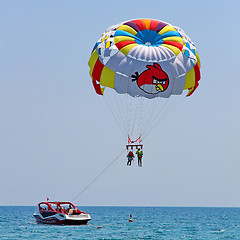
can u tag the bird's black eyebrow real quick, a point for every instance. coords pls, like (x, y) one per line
(155, 78)
(165, 79)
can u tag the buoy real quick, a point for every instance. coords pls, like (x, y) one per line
(130, 220)
(99, 227)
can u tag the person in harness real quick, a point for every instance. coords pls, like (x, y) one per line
(130, 157)
(139, 154)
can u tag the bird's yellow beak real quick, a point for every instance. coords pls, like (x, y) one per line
(159, 87)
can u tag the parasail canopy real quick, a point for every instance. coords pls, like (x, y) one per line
(143, 59)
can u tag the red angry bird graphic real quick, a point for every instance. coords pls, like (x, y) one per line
(153, 80)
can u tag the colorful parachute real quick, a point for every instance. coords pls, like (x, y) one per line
(145, 58)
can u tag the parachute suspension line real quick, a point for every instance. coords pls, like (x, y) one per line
(99, 175)
(124, 103)
(159, 116)
(120, 99)
(168, 107)
(176, 102)
(115, 116)
(131, 115)
(112, 106)
(128, 113)
(153, 107)
(135, 112)
(124, 111)
(150, 115)
(153, 111)
(141, 116)
(120, 106)
(179, 102)
(144, 114)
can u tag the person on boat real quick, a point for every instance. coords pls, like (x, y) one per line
(139, 154)
(69, 207)
(59, 208)
(130, 157)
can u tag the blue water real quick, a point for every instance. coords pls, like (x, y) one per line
(112, 223)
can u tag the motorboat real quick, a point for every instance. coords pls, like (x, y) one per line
(61, 213)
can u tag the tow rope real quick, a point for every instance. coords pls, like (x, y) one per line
(99, 175)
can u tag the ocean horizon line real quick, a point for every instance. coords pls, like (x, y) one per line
(127, 206)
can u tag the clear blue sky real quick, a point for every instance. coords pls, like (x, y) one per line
(56, 134)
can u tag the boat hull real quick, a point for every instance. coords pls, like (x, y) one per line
(55, 220)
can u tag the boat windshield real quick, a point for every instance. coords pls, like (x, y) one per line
(44, 206)
(68, 207)
(59, 207)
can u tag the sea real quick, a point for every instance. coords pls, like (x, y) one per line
(113, 223)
